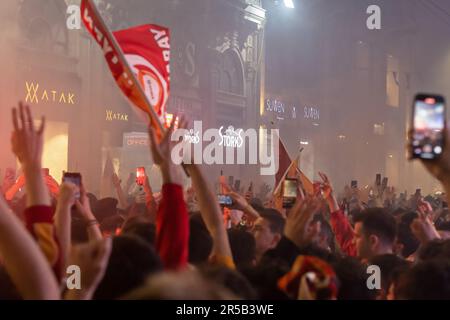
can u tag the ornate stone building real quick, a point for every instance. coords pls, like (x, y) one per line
(216, 68)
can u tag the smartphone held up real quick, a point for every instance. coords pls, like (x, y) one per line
(74, 178)
(428, 127)
(290, 189)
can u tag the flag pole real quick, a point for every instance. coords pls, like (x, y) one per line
(153, 116)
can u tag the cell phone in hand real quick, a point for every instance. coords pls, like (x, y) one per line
(75, 178)
(224, 200)
(428, 126)
(290, 189)
(230, 181)
(140, 176)
(237, 185)
(384, 184)
(354, 184)
(378, 179)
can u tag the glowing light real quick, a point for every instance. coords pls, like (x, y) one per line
(289, 4)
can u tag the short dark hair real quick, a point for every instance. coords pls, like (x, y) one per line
(436, 249)
(200, 241)
(131, 261)
(352, 277)
(405, 236)
(378, 222)
(388, 264)
(428, 280)
(141, 227)
(243, 247)
(275, 219)
(230, 279)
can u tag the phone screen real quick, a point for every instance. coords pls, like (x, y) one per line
(74, 178)
(289, 193)
(237, 185)
(224, 200)
(378, 179)
(290, 188)
(140, 176)
(354, 184)
(384, 183)
(230, 181)
(428, 127)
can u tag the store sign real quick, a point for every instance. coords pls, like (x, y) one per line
(311, 113)
(275, 106)
(116, 116)
(35, 93)
(282, 110)
(136, 140)
(232, 138)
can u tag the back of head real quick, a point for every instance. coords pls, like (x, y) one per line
(436, 249)
(230, 279)
(105, 208)
(132, 260)
(243, 247)
(187, 285)
(377, 221)
(388, 264)
(275, 219)
(264, 278)
(428, 280)
(352, 278)
(405, 237)
(200, 241)
(141, 227)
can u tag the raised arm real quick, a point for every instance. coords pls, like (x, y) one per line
(172, 221)
(340, 225)
(24, 262)
(211, 214)
(92, 225)
(63, 218)
(27, 144)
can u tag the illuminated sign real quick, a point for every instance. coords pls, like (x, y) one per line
(275, 106)
(115, 116)
(136, 139)
(36, 94)
(232, 138)
(281, 109)
(311, 113)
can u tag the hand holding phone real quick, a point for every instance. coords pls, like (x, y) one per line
(74, 178)
(428, 127)
(140, 176)
(224, 200)
(290, 189)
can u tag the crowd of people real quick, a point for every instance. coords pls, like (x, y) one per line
(182, 244)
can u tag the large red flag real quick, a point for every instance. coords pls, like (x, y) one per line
(147, 59)
(147, 51)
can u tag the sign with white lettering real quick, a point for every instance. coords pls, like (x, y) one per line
(37, 94)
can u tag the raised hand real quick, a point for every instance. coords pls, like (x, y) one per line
(423, 229)
(328, 193)
(161, 150)
(27, 141)
(299, 227)
(27, 144)
(92, 259)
